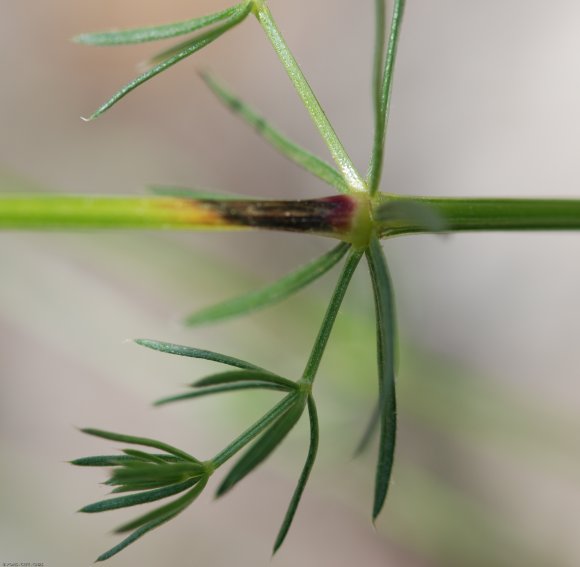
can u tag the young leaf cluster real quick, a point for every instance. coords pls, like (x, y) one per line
(150, 477)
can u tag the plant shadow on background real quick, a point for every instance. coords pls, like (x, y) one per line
(151, 471)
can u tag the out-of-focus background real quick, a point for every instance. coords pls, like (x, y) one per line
(488, 459)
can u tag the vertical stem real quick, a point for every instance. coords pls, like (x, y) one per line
(339, 154)
(383, 105)
(330, 316)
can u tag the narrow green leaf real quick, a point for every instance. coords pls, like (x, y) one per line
(254, 430)
(197, 43)
(236, 387)
(168, 473)
(192, 352)
(244, 376)
(153, 33)
(386, 346)
(382, 105)
(136, 487)
(143, 456)
(140, 441)
(136, 499)
(286, 147)
(273, 293)
(186, 193)
(173, 508)
(112, 460)
(304, 475)
(135, 536)
(262, 447)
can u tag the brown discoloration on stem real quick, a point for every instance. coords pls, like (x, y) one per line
(331, 215)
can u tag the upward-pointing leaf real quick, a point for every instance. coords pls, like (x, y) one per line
(272, 293)
(193, 352)
(154, 33)
(386, 341)
(286, 147)
(187, 49)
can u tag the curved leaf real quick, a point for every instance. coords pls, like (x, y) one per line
(153, 33)
(187, 49)
(192, 352)
(386, 341)
(304, 475)
(273, 293)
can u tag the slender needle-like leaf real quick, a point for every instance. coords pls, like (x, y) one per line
(172, 508)
(192, 352)
(386, 345)
(140, 441)
(245, 375)
(262, 447)
(135, 536)
(272, 293)
(382, 103)
(144, 456)
(341, 158)
(331, 313)
(236, 387)
(114, 460)
(286, 147)
(189, 48)
(154, 33)
(139, 498)
(304, 475)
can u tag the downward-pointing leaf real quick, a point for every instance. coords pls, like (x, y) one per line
(172, 509)
(272, 293)
(154, 33)
(310, 458)
(262, 447)
(386, 341)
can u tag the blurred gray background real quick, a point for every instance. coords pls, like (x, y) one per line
(485, 103)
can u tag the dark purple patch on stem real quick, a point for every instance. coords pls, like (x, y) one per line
(327, 215)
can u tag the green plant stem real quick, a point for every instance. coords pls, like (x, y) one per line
(330, 316)
(470, 214)
(339, 154)
(383, 99)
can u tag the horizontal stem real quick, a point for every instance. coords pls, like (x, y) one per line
(471, 214)
(329, 216)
